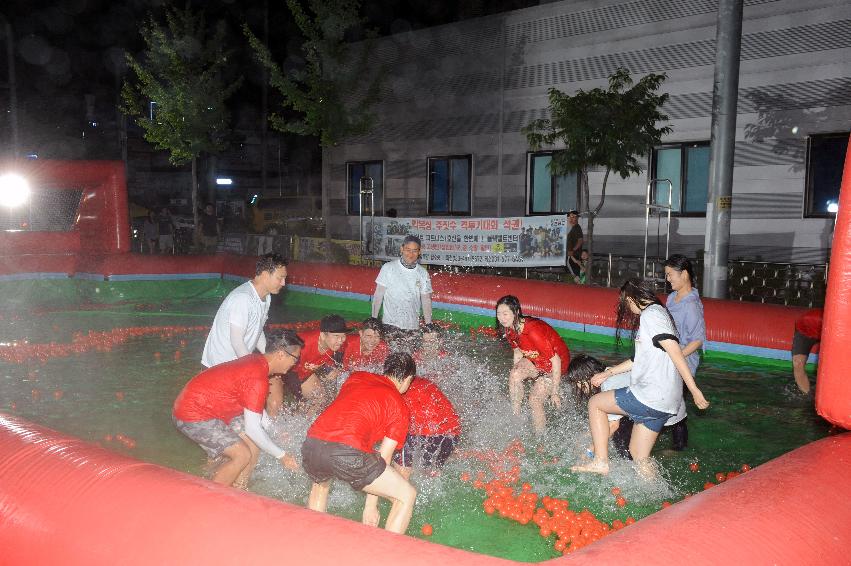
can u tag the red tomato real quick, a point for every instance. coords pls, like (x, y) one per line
(694, 466)
(616, 491)
(427, 530)
(620, 501)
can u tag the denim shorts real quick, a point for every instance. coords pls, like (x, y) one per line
(639, 412)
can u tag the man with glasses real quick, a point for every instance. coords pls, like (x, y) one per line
(221, 407)
(403, 287)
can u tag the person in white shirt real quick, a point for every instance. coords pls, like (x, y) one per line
(238, 326)
(403, 287)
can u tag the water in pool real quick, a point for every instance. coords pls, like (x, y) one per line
(115, 384)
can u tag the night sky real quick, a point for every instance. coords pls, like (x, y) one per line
(67, 49)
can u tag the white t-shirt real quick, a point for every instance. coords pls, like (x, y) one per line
(402, 299)
(654, 379)
(244, 309)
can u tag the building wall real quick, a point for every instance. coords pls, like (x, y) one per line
(469, 87)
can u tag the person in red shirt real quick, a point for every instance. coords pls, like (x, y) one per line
(540, 355)
(321, 362)
(435, 427)
(367, 347)
(807, 335)
(220, 409)
(340, 444)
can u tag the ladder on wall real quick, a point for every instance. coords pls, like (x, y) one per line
(651, 207)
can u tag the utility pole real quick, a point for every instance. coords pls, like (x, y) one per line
(725, 94)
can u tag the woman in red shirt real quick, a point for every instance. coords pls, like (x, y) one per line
(540, 356)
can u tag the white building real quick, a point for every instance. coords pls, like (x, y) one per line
(447, 140)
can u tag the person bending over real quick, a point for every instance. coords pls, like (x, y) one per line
(340, 444)
(540, 356)
(435, 428)
(220, 409)
(366, 348)
(320, 364)
(655, 390)
(807, 335)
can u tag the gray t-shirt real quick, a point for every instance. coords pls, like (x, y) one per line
(654, 379)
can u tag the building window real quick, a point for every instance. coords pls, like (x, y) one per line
(449, 183)
(355, 171)
(825, 159)
(548, 193)
(687, 167)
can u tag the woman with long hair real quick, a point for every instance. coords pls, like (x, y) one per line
(657, 372)
(540, 356)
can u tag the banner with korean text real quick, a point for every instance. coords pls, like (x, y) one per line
(508, 242)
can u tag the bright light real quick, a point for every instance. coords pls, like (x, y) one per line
(14, 190)
(833, 207)
(224, 181)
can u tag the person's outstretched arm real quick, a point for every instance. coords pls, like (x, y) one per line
(426, 300)
(254, 430)
(377, 299)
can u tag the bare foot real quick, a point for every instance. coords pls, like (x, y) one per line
(593, 467)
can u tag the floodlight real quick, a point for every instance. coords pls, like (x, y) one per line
(224, 181)
(14, 190)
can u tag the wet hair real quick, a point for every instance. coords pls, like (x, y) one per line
(643, 296)
(512, 303)
(411, 239)
(284, 340)
(579, 373)
(373, 323)
(270, 262)
(681, 263)
(432, 328)
(399, 366)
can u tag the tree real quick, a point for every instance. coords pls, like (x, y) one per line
(329, 94)
(180, 93)
(608, 128)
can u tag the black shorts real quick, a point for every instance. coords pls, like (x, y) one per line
(802, 345)
(325, 460)
(433, 450)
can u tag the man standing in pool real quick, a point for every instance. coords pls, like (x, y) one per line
(238, 326)
(403, 286)
(340, 444)
(220, 409)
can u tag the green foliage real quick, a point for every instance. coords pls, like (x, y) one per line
(182, 73)
(331, 93)
(609, 128)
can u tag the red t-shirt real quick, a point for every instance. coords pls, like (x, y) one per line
(809, 323)
(431, 412)
(311, 358)
(539, 342)
(354, 359)
(223, 391)
(368, 408)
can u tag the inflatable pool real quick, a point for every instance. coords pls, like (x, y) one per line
(63, 500)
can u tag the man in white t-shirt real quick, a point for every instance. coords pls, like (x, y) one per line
(238, 327)
(403, 287)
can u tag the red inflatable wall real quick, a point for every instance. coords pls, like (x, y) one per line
(63, 501)
(833, 391)
(102, 225)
